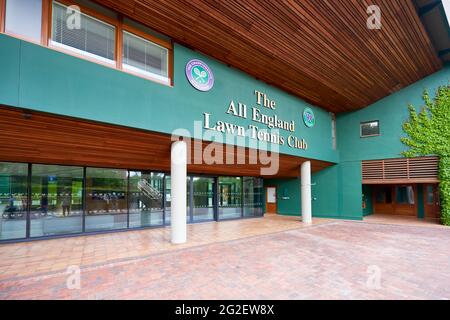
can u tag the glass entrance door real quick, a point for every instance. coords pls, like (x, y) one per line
(230, 198)
(432, 206)
(203, 205)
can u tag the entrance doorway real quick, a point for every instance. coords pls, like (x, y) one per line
(271, 200)
(396, 199)
(432, 206)
(407, 200)
(211, 198)
(202, 199)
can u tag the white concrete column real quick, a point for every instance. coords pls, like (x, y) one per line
(306, 192)
(178, 176)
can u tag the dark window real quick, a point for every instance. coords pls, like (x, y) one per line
(371, 128)
(383, 195)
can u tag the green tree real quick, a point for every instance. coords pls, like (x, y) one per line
(428, 133)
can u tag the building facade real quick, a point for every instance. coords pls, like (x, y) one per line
(92, 101)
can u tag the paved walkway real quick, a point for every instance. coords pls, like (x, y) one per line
(271, 258)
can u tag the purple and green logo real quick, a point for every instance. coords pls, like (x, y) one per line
(309, 118)
(199, 75)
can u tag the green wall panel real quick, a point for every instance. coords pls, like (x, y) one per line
(288, 195)
(336, 193)
(392, 112)
(58, 83)
(368, 193)
(10, 70)
(350, 190)
(325, 203)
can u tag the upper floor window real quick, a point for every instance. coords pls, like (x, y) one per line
(82, 34)
(23, 18)
(370, 129)
(145, 57)
(88, 30)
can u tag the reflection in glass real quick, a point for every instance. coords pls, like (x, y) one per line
(203, 197)
(405, 195)
(146, 199)
(13, 200)
(230, 197)
(106, 200)
(253, 197)
(56, 200)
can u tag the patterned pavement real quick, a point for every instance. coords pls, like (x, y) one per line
(329, 260)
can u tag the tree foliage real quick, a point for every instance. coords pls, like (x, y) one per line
(428, 133)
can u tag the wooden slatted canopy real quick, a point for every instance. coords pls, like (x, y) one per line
(29, 136)
(401, 170)
(321, 51)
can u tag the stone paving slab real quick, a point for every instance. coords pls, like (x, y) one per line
(338, 260)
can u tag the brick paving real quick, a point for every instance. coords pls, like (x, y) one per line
(329, 260)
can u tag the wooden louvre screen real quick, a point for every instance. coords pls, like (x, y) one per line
(402, 170)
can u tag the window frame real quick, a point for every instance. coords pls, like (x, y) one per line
(2, 15)
(146, 37)
(18, 36)
(73, 51)
(370, 135)
(118, 24)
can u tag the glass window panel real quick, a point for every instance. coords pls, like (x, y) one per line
(253, 197)
(370, 128)
(146, 199)
(92, 37)
(24, 18)
(230, 197)
(430, 194)
(56, 200)
(106, 199)
(405, 195)
(203, 197)
(13, 200)
(143, 56)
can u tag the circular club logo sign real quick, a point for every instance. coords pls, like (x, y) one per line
(308, 118)
(199, 75)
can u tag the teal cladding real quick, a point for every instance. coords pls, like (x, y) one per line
(38, 78)
(42, 79)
